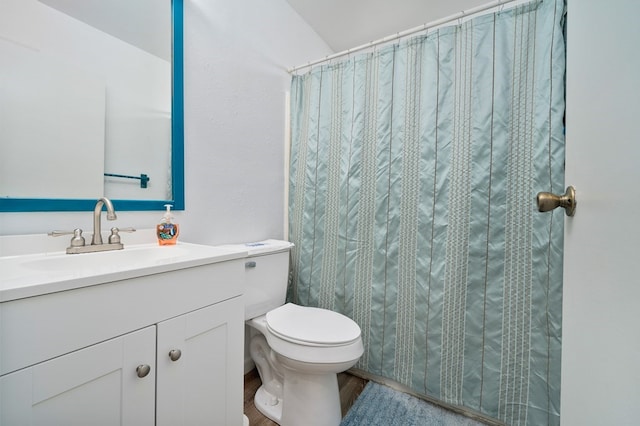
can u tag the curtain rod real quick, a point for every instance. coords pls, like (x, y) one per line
(423, 27)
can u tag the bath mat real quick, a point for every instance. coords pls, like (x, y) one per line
(380, 405)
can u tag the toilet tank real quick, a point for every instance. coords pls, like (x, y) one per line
(266, 276)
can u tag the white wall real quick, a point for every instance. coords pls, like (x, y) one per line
(236, 56)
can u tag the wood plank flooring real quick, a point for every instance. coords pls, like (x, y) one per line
(350, 388)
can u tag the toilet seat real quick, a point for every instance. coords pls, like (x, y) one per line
(311, 326)
(327, 337)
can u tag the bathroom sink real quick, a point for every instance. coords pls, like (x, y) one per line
(36, 274)
(134, 255)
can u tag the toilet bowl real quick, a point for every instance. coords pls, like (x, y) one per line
(305, 349)
(298, 350)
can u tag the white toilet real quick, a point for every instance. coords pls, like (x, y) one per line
(298, 350)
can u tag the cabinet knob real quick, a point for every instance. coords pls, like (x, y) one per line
(142, 370)
(175, 354)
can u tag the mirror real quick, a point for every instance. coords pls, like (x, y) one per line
(94, 128)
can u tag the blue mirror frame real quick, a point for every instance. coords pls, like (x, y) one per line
(177, 147)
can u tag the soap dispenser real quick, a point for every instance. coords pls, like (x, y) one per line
(167, 231)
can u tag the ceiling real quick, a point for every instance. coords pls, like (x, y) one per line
(344, 24)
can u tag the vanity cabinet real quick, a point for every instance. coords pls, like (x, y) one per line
(159, 349)
(200, 367)
(95, 385)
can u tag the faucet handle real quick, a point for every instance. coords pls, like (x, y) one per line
(114, 238)
(59, 233)
(129, 229)
(76, 241)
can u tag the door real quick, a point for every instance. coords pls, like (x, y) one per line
(95, 385)
(601, 296)
(200, 367)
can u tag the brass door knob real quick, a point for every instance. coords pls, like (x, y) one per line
(548, 201)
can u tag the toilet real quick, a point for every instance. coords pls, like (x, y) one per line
(298, 350)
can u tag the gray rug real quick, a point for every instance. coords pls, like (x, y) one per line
(380, 405)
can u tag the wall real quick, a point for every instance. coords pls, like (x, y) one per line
(236, 56)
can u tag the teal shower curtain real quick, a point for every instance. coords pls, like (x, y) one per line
(413, 177)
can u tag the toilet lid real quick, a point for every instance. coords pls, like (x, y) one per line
(312, 325)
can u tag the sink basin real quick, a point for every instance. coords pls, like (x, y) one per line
(36, 274)
(134, 255)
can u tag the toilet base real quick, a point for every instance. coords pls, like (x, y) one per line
(311, 399)
(314, 400)
(268, 404)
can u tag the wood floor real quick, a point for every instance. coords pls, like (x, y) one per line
(350, 388)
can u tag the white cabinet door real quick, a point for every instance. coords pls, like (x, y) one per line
(97, 385)
(204, 385)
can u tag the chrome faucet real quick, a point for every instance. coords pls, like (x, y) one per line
(111, 215)
(77, 242)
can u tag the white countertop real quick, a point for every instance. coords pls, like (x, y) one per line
(29, 275)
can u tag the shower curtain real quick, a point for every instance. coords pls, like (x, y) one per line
(413, 176)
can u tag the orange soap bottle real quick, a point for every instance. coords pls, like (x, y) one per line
(167, 231)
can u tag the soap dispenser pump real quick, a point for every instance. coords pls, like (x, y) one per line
(167, 231)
